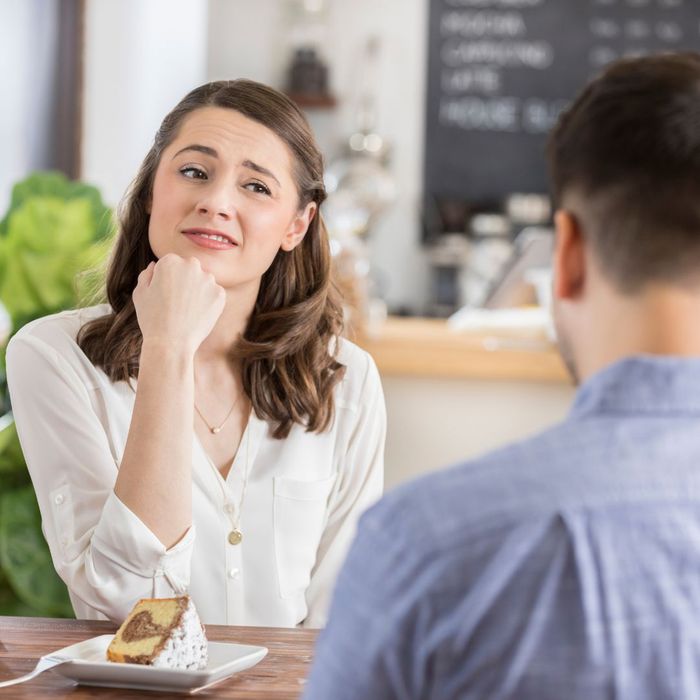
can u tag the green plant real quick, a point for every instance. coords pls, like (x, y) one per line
(53, 239)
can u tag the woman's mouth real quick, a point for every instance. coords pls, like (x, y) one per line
(206, 238)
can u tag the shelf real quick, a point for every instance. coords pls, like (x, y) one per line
(313, 101)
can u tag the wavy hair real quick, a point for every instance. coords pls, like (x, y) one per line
(287, 352)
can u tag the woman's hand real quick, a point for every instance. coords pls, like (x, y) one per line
(177, 303)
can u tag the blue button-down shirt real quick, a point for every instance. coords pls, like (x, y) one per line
(563, 567)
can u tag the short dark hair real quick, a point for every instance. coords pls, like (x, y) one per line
(629, 148)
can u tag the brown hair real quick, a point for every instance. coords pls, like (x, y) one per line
(629, 150)
(287, 352)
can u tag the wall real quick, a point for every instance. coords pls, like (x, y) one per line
(141, 57)
(433, 423)
(28, 36)
(252, 40)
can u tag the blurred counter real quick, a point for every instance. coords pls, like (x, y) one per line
(422, 347)
(452, 395)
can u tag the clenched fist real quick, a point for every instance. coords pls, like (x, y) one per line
(177, 302)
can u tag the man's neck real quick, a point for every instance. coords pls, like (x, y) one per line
(660, 320)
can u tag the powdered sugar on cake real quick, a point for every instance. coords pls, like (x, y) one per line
(187, 646)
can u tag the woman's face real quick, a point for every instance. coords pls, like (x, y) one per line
(224, 193)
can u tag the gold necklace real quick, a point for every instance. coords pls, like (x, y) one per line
(214, 429)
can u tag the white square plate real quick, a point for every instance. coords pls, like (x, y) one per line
(88, 666)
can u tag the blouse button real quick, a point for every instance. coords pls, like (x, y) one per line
(233, 573)
(58, 499)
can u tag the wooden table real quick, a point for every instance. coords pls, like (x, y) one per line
(279, 675)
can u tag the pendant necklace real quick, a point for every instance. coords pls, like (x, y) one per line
(214, 429)
(234, 514)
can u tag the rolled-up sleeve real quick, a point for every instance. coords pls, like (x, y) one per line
(104, 553)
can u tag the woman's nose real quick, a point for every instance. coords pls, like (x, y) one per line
(217, 202)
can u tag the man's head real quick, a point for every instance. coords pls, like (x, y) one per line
(625, 168)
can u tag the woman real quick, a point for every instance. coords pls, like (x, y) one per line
(237, 466)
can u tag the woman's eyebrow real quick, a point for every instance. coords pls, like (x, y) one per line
(260, 169)
(207, 150)
(198, 147)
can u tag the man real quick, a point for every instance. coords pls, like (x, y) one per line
(568, 566)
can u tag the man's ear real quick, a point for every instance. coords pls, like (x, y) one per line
(298, 228)
(569, 264)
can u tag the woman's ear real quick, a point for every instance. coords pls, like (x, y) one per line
(569, 264)
(299, 226)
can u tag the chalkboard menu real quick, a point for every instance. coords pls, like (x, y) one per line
(501, 71)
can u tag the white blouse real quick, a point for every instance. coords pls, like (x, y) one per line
(303, 497)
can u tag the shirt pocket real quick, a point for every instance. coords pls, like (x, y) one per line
(299, 516)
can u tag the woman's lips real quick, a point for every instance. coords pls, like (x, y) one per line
(209, 239)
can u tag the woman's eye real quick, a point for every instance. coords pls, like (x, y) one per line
(193, 173)
(258, 187)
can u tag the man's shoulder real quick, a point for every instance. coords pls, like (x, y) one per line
(520, 481)
(428, 542)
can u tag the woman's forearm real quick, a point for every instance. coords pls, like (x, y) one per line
(155, 475)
